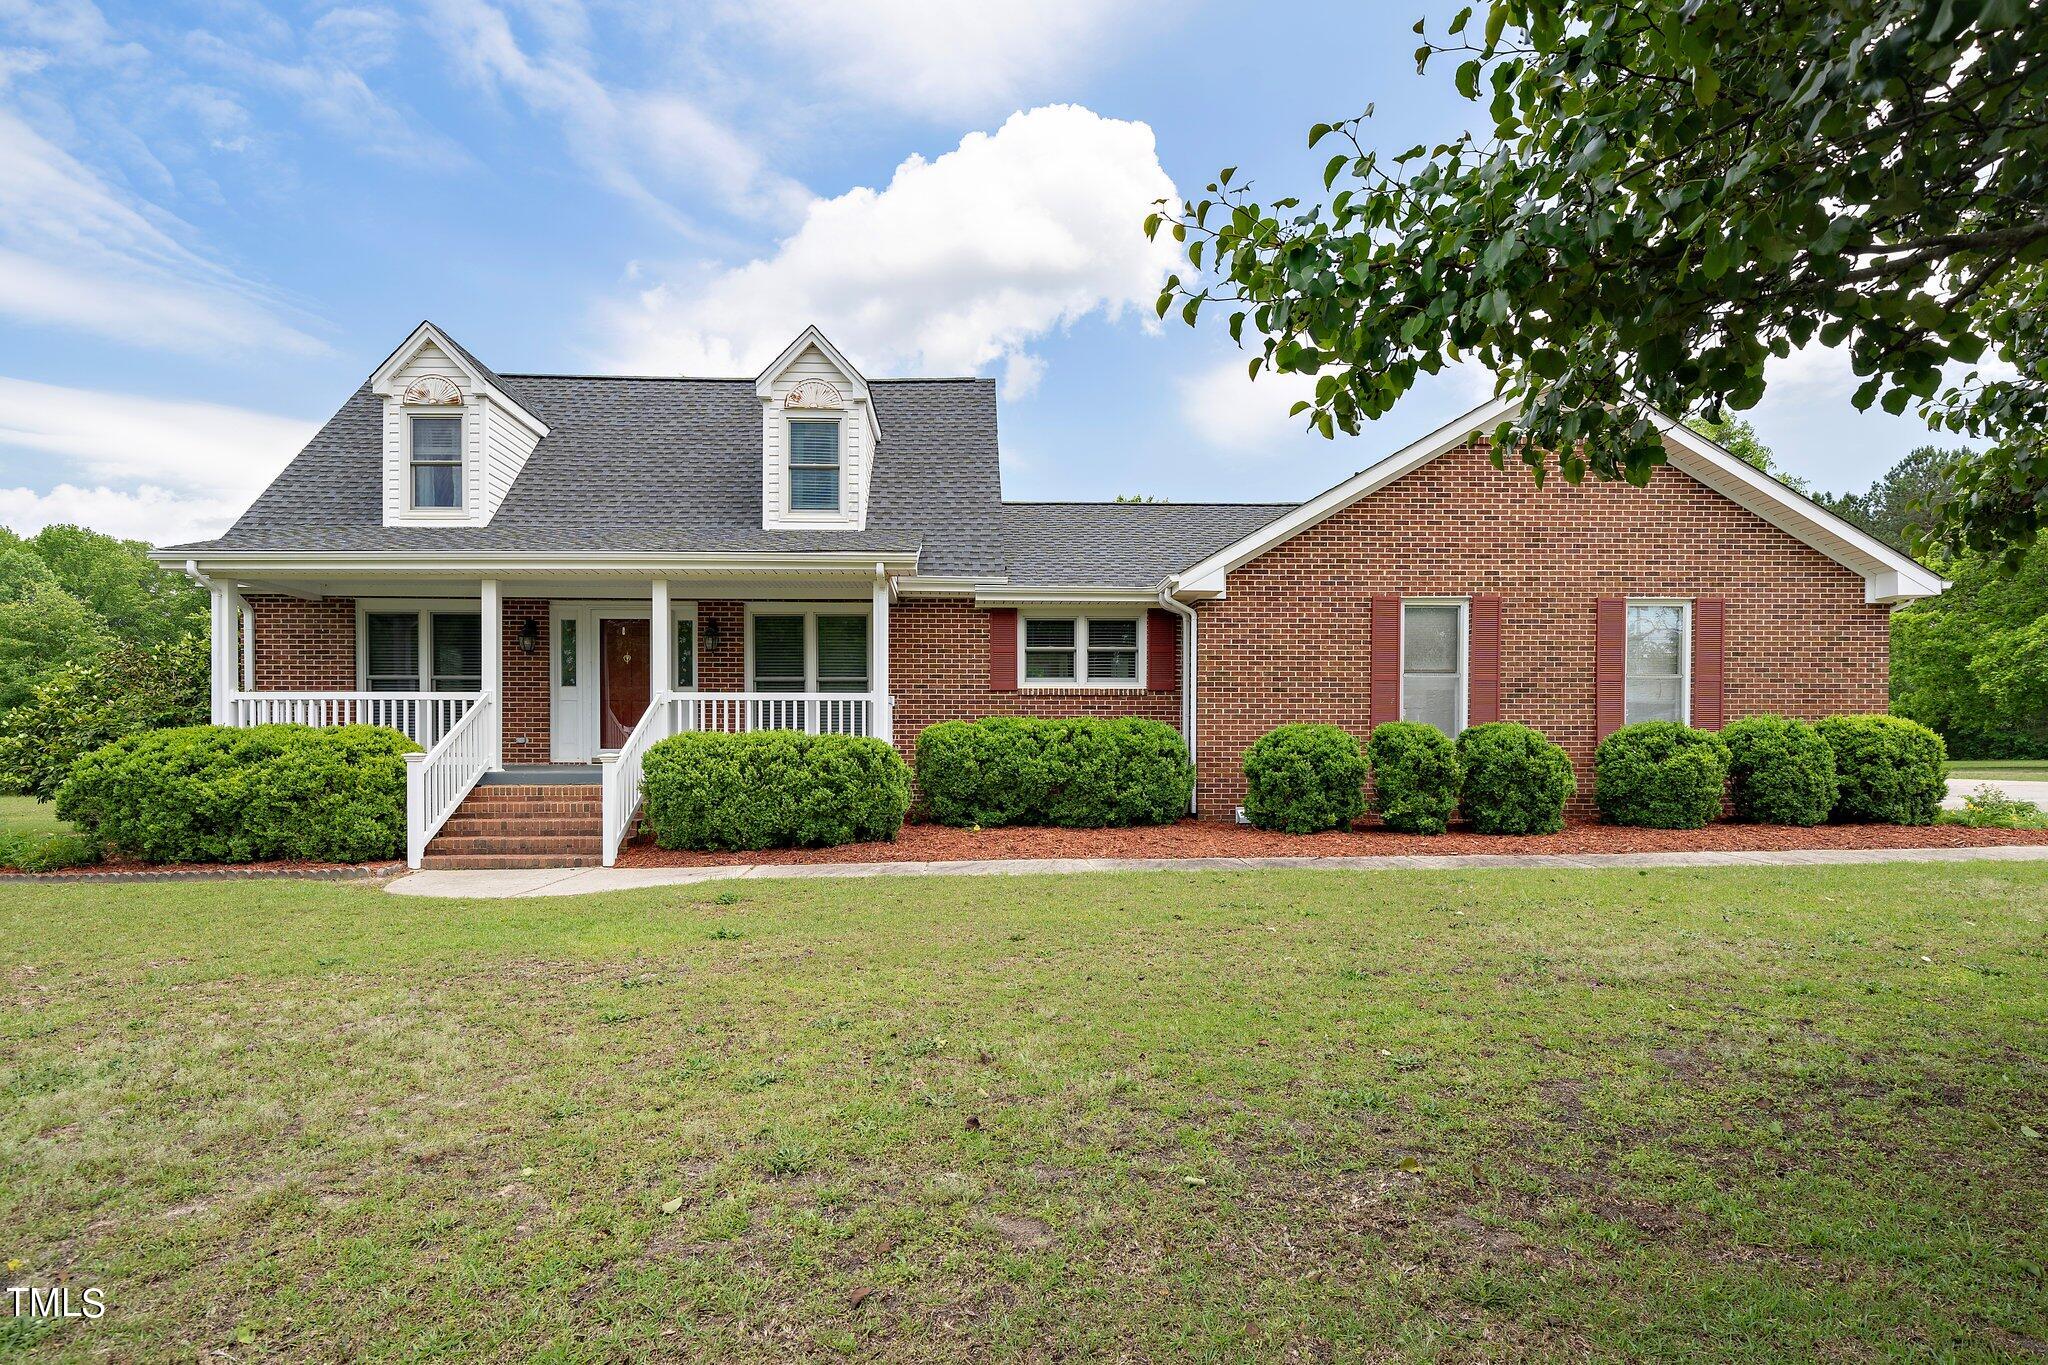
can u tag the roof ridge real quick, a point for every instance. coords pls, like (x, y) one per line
(736, 379)
(1116, 502)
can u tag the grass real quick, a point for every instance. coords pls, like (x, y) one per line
(26, 815)
(2011, 769)
(1754, 1114)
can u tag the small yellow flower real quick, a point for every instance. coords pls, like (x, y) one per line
(13, 1264)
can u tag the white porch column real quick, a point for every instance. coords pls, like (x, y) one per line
(661, 642)
(221, 656)
(248, 620)
(885, 718)
(494, 669)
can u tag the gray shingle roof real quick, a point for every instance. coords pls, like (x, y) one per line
(663, 465)
(1121, 544)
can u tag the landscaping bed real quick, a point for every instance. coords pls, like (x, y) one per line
(135, 870)
(1213, 839)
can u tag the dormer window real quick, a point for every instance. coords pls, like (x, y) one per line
(436, 455)
(813, 465)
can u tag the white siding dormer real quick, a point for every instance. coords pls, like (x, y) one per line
(453, 442)
(818, 437)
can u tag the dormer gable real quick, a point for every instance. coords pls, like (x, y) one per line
(453, 440)
(819, 437)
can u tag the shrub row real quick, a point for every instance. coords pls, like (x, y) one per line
(217, 794)
(773, 789)
(1079, 774)
(1509, 779)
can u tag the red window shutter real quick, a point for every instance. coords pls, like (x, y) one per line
(1162, 650)
(1610, 663)
(1386, 660)
(1482, 701)
(1002, 649)
(1709, 671)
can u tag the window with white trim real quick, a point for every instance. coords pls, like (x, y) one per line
(813, 465)
(809, 651)
(393, 655)
(436, 457)
(1082, 651)
(1659, 649)
(1433, 664)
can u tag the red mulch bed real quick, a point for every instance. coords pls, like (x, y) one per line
(130, 869)
(1206, 839)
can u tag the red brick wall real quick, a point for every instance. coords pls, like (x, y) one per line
(938, 670)
(1289, 643)
(304, 646)
(528, 702)
(723, 669)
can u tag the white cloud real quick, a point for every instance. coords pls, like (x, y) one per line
(955, 265)
(946, 59)
(649, 146)
(149, 467)
(1224, 407)
(331, 94)
(74, 253)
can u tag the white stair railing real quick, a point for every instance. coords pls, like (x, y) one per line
(422, 717)
(437, 781)
(622, 775)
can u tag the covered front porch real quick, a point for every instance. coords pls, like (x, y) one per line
(578, 671)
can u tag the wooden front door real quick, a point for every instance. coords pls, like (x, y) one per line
(623, 697)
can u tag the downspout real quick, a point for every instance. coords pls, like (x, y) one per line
(1187, 675)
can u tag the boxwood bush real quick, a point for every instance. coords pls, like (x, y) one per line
(772, 789)
(1415, 776)
(1304, 778)
(1516, 780)
(1781, 772)
(1887, 769)
(1079, 774)
(1659, 774)
(216, 794)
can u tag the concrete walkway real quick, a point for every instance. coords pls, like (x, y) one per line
(579, 881)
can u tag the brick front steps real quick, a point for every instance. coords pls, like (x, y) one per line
(507, 826)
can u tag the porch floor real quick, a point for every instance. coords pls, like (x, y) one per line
(544, 775)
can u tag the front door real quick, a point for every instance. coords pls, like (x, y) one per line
(624, 690)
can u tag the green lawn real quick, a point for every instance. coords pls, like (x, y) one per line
(1756, 1114)
(2012, 769)
(26, 815)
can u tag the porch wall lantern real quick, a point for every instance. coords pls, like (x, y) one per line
(711, 635)
(529, 636)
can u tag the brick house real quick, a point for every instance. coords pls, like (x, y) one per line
(536, 576)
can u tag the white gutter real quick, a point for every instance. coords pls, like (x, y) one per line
(1187, 683)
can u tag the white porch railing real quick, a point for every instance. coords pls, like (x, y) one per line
(437, 780)
(422, 717)
(622, 774)
(814, 713)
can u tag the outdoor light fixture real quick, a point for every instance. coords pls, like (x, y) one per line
(529, 636)
(711, 635)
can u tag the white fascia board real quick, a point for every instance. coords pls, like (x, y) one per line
(383, 377)
(410, 563)
(942, 585)
(1333, 500)
(764, 382)
(1076, 595)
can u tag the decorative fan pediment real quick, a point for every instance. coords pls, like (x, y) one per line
(814, 393)
(432, 389)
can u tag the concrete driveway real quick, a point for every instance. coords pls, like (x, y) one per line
(1959, 787)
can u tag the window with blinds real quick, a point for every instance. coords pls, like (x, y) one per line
(436, 461)
(779, 654)
(391, 651)
(1082, 650)
(1049, 648)
(1113, 651)
(458, 652)
(842, 653)
(813, 466)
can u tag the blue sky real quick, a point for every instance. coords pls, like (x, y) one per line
(217, 217)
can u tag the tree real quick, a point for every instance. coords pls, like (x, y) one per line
(1973, 662)
(42, 626)
(1669, 193)
(1739, 439)
(138, 600)
(91, 702)
(1906, 500)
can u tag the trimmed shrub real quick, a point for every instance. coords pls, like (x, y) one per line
(1658, 774)
(1415, 776)
(51, 851)
(1889, 770)
(216, 794)
(89, 703)
(1516, 780)
(1078, 774)
(1301, 779)
(773, 789)
(1781, 772)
